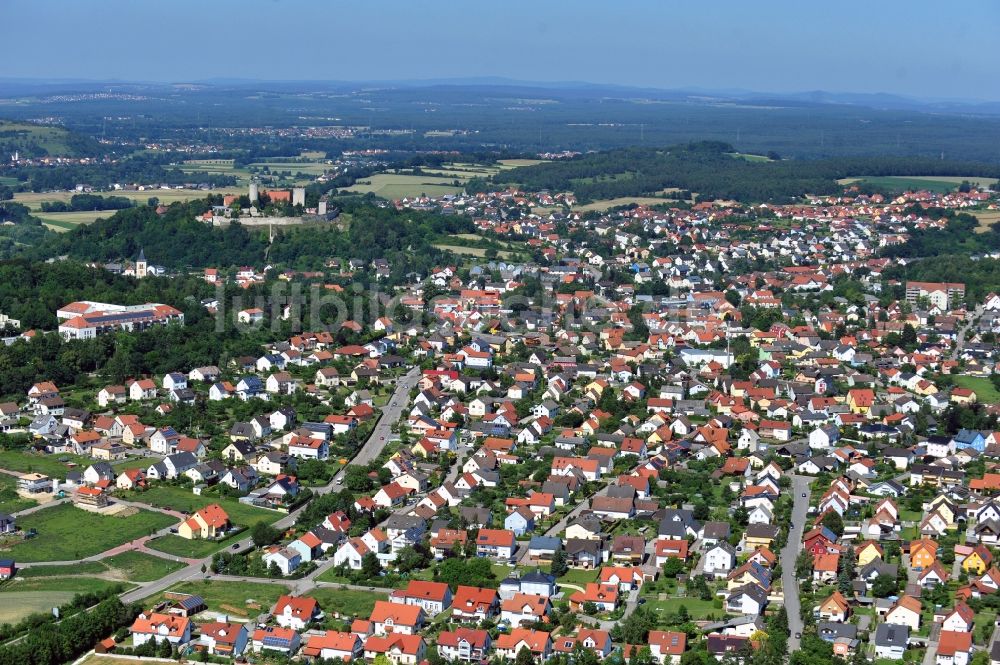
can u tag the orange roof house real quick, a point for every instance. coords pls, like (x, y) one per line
(209, 522)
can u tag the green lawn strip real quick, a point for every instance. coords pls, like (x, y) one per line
(66, 532)
(141, 567)
(82, 568)
(191, 549)
(79, 584)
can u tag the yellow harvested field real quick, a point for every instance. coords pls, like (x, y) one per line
(986, 219)
(621, 201)
(472, 251)
(18, 604)
(514, 163)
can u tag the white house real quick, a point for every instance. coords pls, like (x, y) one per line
(720, 559)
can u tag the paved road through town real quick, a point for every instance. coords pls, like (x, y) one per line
(789, 555)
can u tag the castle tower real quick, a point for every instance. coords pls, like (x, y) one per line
(254, 192)
(299, 196)
(140, 265)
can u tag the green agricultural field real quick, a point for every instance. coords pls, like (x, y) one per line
(50, 465)
(933, 183)
(232, 597)
(61, 532)
(184, 500)
(51, 139)
(67, 221)
(983, 387)
(345, 602)
(397, 185)
(141, 567)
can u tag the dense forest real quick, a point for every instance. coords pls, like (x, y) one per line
(21, 231)
(174, 239)
(138, 170)
(712, 170)
(959, 236)
(981, 276)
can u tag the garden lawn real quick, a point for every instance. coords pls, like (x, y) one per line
(184, 500)
(50, 465)
(983, 387)
(578, 577)
(346, 602)
(66, 533)
(697, 608)
(232, 597)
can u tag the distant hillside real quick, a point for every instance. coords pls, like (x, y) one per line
(31, 140)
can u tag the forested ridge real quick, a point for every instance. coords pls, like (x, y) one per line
(710, 169)
(177, 240)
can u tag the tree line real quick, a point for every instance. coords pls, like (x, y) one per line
(712, 170)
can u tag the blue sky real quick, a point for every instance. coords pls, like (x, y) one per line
(913, 47)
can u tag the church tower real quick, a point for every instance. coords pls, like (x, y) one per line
(140, 265)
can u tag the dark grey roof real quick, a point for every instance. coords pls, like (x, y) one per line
(888, 634)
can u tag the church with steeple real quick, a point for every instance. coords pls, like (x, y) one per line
(141, 267)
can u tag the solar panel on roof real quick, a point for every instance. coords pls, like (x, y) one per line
(191, 602)
(271, 641)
